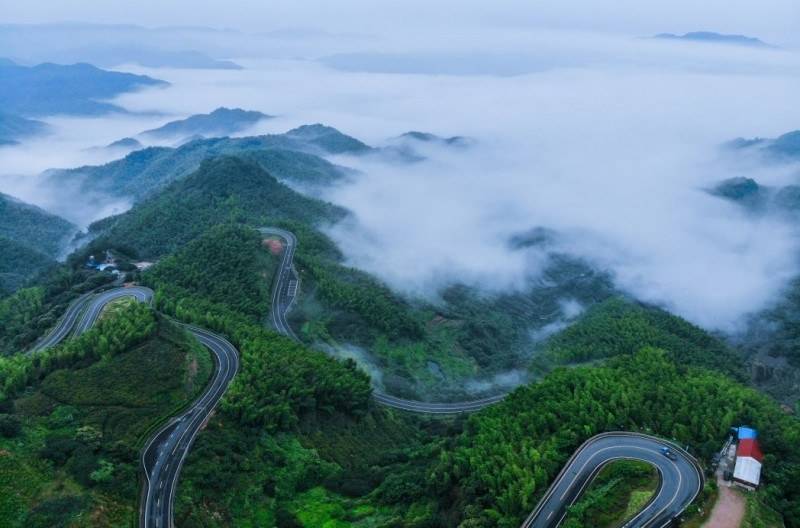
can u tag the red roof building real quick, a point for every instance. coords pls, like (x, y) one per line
(747, 472)
(749, 448)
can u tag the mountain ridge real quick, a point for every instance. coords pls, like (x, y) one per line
(715, 38)
(75, 89)
(220, 122)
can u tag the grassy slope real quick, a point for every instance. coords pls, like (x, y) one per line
(89, 414)
(758, 515)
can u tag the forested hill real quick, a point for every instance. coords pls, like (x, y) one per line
(222, 190)
(19, 263)
(30, 240)
(32, 226)
(292, 157)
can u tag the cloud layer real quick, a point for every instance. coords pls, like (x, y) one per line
(609, 143)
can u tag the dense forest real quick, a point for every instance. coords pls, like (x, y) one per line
(619, 326)
(30, 240)
(532, 432)
(508, 453)
(33, 227)
(19, 263)
(297, 439)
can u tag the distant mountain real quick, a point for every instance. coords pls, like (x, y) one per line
(226, 189)
(158, 58)
(220, 122)
(405, 148)
(292, 157)
(76, 89)
(125, 143)
(744, 191)
(108, 46)
(327, 139)
(784, 148)
(426, 137)
(33, 227)
(716, 38)
(14, 128)
(758, 198)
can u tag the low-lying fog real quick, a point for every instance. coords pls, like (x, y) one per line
(609, 143)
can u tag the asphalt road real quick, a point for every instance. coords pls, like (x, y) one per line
(96, 303)
(282, 296)
(84, 311)
(680, 480)
(64, 326)
(164, 454)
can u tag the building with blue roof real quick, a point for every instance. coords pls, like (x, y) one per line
(747, 433)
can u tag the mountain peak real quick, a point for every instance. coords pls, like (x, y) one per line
(327, 138)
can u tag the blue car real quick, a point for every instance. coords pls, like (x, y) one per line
(667, 452)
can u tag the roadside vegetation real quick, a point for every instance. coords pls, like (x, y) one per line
(619, 492)
(72, 431)
(31, 312)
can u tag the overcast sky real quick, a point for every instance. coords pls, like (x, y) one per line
(774, 20)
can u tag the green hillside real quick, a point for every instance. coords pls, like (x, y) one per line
(507, 454)
(33, 227)
(70, 441)
(222, 190)
(292, 157)
(30, 241)
(18, 263)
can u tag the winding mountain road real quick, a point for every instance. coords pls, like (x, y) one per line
(680, 480)
(164, 454)
(284, 294)
(64, 325)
